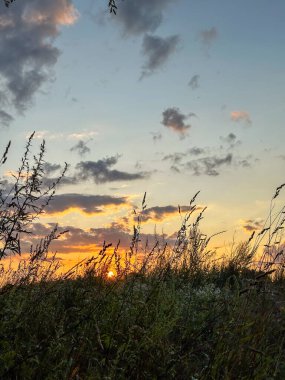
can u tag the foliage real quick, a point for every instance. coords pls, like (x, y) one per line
(171, 313)
(23, 200)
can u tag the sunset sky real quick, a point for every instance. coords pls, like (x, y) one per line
(168, 97)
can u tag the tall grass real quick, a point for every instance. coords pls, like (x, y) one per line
(169, 312)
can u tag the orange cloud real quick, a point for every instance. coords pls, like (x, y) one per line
(241, 116)
(60, 13)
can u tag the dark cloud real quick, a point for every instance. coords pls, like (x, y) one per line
(158, 213)
(138, 17)
(81, 147)
(194, 82)
(5, 118)
(89, 204)
(27, 51)
(208, 36)
(86, 241)
(209, 165)
(66, 180)
(157, 50)
(51, 168)
(172, 118)
(253, 224)
(100, 171)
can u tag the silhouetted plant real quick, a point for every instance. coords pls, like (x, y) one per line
(23, 200)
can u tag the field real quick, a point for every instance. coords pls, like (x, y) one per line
(155, 311)
(174, 315)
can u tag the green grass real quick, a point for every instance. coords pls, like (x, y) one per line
(169, 322)
(173, 312)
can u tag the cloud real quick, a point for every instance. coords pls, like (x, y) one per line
(209, 165)
(27, 47)
(253, 224)
(194, 82)
(5, 118)
(86, 241)
(208, 36)
(172, 118)
(159, 213)
(48, 135)
(241, 116)
(196, 151)
(88, 204)
(138, 17)
(81, 147)
(100, 171)
(51, 168)
(175, 158)
(244, 162)
(156, 136)
(230, 140)
(209, 160)
(84, 134)
(157, 50)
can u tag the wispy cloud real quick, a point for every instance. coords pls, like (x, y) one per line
(138, 17)
(27, 48)
(157, 50)
(196, 151)
(208, 36)
(194, 82)
(175, 158)
(156, 136)
(209, 165)
(81, 148)
(230, 141)
(160, 213)
(48, 135)
(251, 225)
(84, 134)
(174, 119)
(5, 118)
(241, 116)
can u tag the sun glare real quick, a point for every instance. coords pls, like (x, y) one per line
(110, 274)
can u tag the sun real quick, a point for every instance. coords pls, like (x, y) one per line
(110, 274)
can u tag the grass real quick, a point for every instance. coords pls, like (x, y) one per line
(173, 312)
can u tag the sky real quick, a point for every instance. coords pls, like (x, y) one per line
(167, 97)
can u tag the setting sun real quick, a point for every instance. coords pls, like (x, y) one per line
(110, 274)
(142, 189)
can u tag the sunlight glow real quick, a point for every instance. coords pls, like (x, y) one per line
(110, 274)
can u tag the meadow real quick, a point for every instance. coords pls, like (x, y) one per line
(155, 311)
